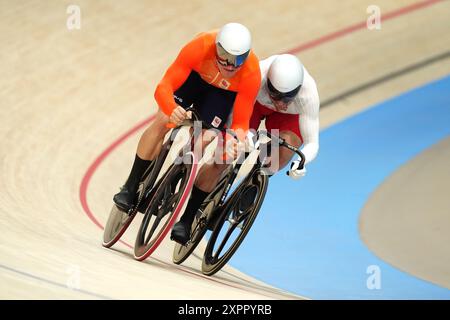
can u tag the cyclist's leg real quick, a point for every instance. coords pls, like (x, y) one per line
(151, 142)
(210, 173)
(289, 130)
(206, 181)
(259, 113)
(200, 190)
(285, 154)
(214, 106)
(147, 150)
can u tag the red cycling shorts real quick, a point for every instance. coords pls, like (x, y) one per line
(274, 120)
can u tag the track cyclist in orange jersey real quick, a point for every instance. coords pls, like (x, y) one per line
(289, 102)
(217, 73)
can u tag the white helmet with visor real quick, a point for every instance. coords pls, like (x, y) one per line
(233, 44)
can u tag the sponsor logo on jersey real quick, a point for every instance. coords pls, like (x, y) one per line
(216, 122)
(224, 84)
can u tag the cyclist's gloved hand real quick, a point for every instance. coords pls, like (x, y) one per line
(178, 115)
(231, 147)
(296, 172)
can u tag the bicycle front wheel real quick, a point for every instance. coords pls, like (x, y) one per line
(170, 197)
(239, 213)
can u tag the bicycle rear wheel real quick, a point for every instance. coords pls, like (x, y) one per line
(165, 206)
(116, 225)
(118, 220)
(234, 217)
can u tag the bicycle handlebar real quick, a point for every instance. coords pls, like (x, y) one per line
(195, 116)
(283, 143)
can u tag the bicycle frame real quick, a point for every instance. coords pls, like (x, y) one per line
(151, 175)
(260, 163)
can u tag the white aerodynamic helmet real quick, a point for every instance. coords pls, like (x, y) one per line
(233, 44)
(285, 77)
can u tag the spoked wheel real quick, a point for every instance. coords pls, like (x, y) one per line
(235, 221)
(165, 206)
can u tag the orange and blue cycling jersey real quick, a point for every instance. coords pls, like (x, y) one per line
(198, 59)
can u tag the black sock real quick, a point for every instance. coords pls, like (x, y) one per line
(138, 169)
(197, 198)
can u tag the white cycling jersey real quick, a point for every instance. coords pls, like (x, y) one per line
(305, 104)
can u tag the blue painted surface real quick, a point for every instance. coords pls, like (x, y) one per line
(306, 237)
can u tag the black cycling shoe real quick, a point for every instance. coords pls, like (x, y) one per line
(125, 199)
(181, 233)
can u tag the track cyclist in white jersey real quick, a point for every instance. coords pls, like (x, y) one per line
(288, 100)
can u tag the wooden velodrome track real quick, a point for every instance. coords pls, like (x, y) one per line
(65, 96)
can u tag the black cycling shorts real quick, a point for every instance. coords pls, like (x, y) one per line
(213, 104)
